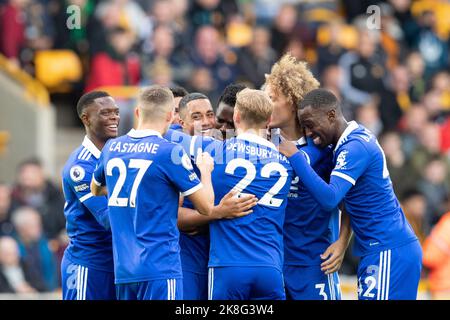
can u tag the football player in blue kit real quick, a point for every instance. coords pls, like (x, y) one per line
(197, 119)
(144, 175)
(390, 252)
(313, 246)
(87, 265)
(246, 253)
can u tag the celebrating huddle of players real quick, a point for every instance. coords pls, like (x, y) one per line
(263, 210)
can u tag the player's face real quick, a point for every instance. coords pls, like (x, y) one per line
(103, 118)
(283, 111)
(200, 118)
(318, 125)
(224, 118)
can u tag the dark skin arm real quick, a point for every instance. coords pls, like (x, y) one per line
(334, 255)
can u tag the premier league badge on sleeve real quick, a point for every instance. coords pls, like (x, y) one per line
(77, 173)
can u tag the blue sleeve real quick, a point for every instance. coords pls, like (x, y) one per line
(351, 161)
(79, 181)
(327, 195)
(180, 138)
(99, 173)
(180, 171)
(313, 153)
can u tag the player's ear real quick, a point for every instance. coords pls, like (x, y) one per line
(136, 112)
(85, 118)
(236, 116)
(331, 115)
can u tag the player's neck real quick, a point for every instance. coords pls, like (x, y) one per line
(261, 132)
(342, 124)
(158, 127)
(99, 143)
(292, 133)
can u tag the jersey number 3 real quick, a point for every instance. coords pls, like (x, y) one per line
(141, 165)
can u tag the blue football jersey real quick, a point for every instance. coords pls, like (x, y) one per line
(376, 217)
(194, 248)
(250, 165)
(308, 228)
(144, 175)
(87, 221)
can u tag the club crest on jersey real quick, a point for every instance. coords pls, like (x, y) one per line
(341, 160)
(77, 173)
(186, 162)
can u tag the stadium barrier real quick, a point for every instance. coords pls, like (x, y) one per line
(27, 121)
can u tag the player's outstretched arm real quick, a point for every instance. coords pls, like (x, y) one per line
(334, 254)
(327, 195)
(229, 207)
(203, 199)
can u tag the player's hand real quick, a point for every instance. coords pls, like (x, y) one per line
(204, 162)
(333, 256)
(233, 207)
(287, 148)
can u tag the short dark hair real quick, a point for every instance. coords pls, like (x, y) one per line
(229, 94)
(88, 98)
(319, 99)
(190, 97)
(411, 193)
(178, 91)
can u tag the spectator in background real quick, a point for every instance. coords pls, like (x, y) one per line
(12, 29)
(33, 189)
(428, 147)
(202, 81)
(211, 54)
(363, 69)
(71, 38)
(283, 27)
(436, 257)
(39, 32)
(331, 80)
(106, 17)
(368, 115)
(256, 59)
(433, 104)
(435, 186)
(6, 227)
(414, 207)
(163, 45)
(35, 249)
(395, 98)
(403, 176)
(330, 53)
(433, 49)
(416, 69)
(414, 122)
(13, 276)
(116, 66)
(211, 12)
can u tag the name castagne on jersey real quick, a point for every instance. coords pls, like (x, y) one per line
(129, 147)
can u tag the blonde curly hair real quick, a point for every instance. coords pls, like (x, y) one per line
(292, 78)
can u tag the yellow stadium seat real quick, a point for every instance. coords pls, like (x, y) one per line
(57, 69)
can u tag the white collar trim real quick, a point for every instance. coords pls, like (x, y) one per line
(143, 133)
(90, 146)
(256, 139)
(352, 125)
